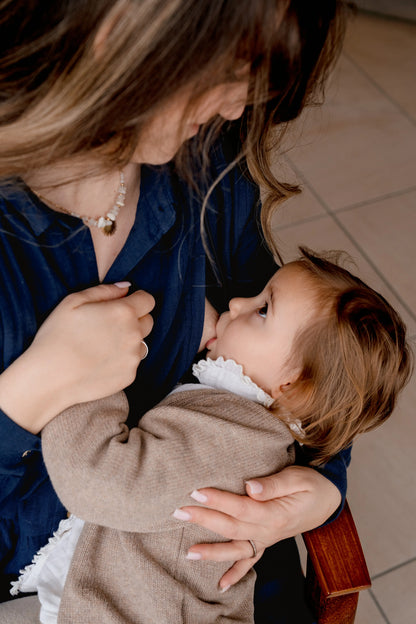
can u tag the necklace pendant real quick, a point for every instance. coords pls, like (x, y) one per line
(109, 228)
(106, 225)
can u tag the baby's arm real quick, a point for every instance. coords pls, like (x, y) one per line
(133, 480)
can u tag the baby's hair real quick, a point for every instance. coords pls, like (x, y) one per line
(353, 360)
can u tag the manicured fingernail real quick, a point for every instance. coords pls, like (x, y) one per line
(224, 589)
(194, 556)
(198, 496)
(122, 284)
(255, 487)
(179, 514)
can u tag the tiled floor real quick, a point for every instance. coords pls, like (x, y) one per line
(356, 160)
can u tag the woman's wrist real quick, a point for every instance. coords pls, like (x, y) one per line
(30, 393)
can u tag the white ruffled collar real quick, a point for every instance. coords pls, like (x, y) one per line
(228, 375)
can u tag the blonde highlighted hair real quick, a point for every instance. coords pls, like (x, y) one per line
(83, 78)
(353, 361)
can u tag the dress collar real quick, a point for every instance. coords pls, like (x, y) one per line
(156, 204)
(228, 375)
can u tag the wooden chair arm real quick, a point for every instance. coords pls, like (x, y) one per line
(336, 570)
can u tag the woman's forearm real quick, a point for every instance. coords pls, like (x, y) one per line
(31, 392)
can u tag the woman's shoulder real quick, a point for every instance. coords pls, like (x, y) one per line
(20, 211)
(14, 199)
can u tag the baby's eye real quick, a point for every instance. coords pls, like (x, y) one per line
(263, 310)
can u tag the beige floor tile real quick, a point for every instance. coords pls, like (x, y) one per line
(386, 232)
(323, 233)
(367, 611)
(300, 208)
(380, 47)
(357, 146)
(401, 9)
(396, 594)
(381, 487)
(360, 147)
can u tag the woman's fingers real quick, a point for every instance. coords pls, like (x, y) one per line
(230, 515)
(227, 526)
(92, 342)
(303, 494)
(288, 503)
(238, 571)
(142, 303)
(235, 550)
(102, 292)
(290, 480)
(234, 505)
(239, 551)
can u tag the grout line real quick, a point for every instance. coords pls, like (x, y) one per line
(379, 607)
(379, 198)
(385, 16)
(379, 88)
(366, 202)
(352, 239)
(393, 569)
(310, 219)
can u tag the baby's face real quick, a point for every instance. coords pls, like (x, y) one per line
(258, 332)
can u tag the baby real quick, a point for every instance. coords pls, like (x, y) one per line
(317, 357)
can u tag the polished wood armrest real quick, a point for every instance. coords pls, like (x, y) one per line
(336, 570)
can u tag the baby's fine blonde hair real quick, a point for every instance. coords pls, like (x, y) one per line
(354, 360)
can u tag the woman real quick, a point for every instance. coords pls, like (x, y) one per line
(91, 95)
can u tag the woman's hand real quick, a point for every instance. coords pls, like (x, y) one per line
(88, 348)
(295, 500)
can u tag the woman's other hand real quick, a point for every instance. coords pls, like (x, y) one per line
(293, 501)
(89, 347)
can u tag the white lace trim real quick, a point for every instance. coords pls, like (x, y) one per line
(27, 581)
(228, 375)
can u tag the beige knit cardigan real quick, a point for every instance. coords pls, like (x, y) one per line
(130, 563)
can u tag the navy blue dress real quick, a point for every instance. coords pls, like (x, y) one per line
(45, 255)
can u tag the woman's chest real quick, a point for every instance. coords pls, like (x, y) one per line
(171, 266)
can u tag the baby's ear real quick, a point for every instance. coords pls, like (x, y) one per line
(290, 378)
(280, 389)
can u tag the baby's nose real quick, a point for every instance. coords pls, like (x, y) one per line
(236, 306)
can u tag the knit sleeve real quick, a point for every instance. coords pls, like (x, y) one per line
(133, 480)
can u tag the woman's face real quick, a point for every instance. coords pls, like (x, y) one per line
(173, 124)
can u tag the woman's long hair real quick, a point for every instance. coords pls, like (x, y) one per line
(353, 361)
(83, 78)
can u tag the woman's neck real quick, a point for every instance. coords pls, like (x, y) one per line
(67, 187)
(92, 196)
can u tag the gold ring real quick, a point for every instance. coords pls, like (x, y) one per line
(254, 548)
